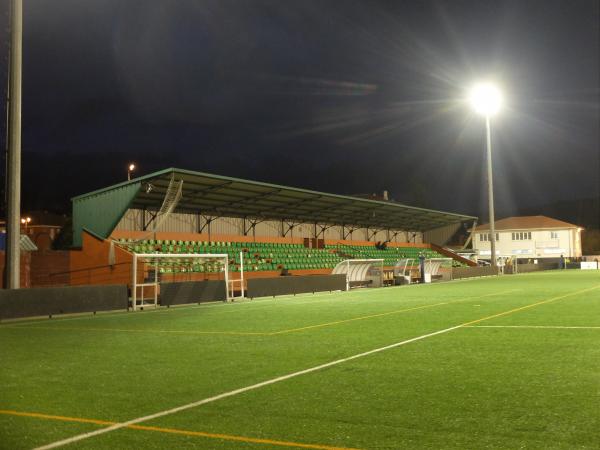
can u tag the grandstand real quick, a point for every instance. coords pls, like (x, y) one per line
(264, 230)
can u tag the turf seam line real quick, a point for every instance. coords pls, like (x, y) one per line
(225, 437)
(177, 409)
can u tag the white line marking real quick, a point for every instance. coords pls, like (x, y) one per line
(295, 374)
(558, 327)
(238, 391)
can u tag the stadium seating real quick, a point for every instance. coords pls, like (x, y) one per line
(265, 256)
(390, 255)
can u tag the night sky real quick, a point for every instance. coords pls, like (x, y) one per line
(339, 96)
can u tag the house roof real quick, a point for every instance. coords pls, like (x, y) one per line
(527, 223)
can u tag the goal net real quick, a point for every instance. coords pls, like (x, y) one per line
(149, 270)
(361, 272)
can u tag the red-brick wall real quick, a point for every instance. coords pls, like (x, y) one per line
(90, 265)
(25, 269)
(50, 268)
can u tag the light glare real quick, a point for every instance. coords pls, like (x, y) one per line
(486, 99)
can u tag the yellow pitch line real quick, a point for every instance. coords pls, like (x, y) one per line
(337, 322)
(10, 412)
(273, 333)
(238, 438)
(397, 311)
(553, 299)
(226, 437)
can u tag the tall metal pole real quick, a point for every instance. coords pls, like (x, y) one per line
(490, 194)
(13, 222)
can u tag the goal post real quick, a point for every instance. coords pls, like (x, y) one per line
(148, 268)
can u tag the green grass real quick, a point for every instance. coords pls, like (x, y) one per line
(473, 387)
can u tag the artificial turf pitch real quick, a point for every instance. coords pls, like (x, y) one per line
(520, 370)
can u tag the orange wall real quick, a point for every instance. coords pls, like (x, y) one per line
(50, 268)
(24, 272)
(90, 264)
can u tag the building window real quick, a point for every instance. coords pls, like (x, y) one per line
(554, 235)
(521, 236)
(485, 237)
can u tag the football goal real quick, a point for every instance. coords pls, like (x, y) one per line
(149, 270)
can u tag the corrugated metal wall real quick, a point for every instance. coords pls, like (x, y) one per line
(441, 235)
(191, 223)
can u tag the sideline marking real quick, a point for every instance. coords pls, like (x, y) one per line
(553, 299)
(337, 322)
(10, 412)
(226, 437)
(204, 401)
(552, 327)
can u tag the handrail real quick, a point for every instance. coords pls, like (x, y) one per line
(88, 268)
(453, 255)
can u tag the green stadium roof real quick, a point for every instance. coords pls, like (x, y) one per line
(100, 211)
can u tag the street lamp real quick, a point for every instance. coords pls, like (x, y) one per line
(486, 100)
(130, 169)
(25, 221)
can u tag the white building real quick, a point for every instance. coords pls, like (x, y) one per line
(529, 237)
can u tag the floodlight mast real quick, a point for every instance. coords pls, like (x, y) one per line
(486, 100)
(13, 166)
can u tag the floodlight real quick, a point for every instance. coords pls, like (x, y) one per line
(130, 168)
(486, 99)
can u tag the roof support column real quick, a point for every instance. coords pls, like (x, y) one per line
(323, 229)
(392, 235)
(368, 235)
(349, 233)
(253, 223)
(208, 220)
(468, 241)
(153, 216)
(290, 228)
